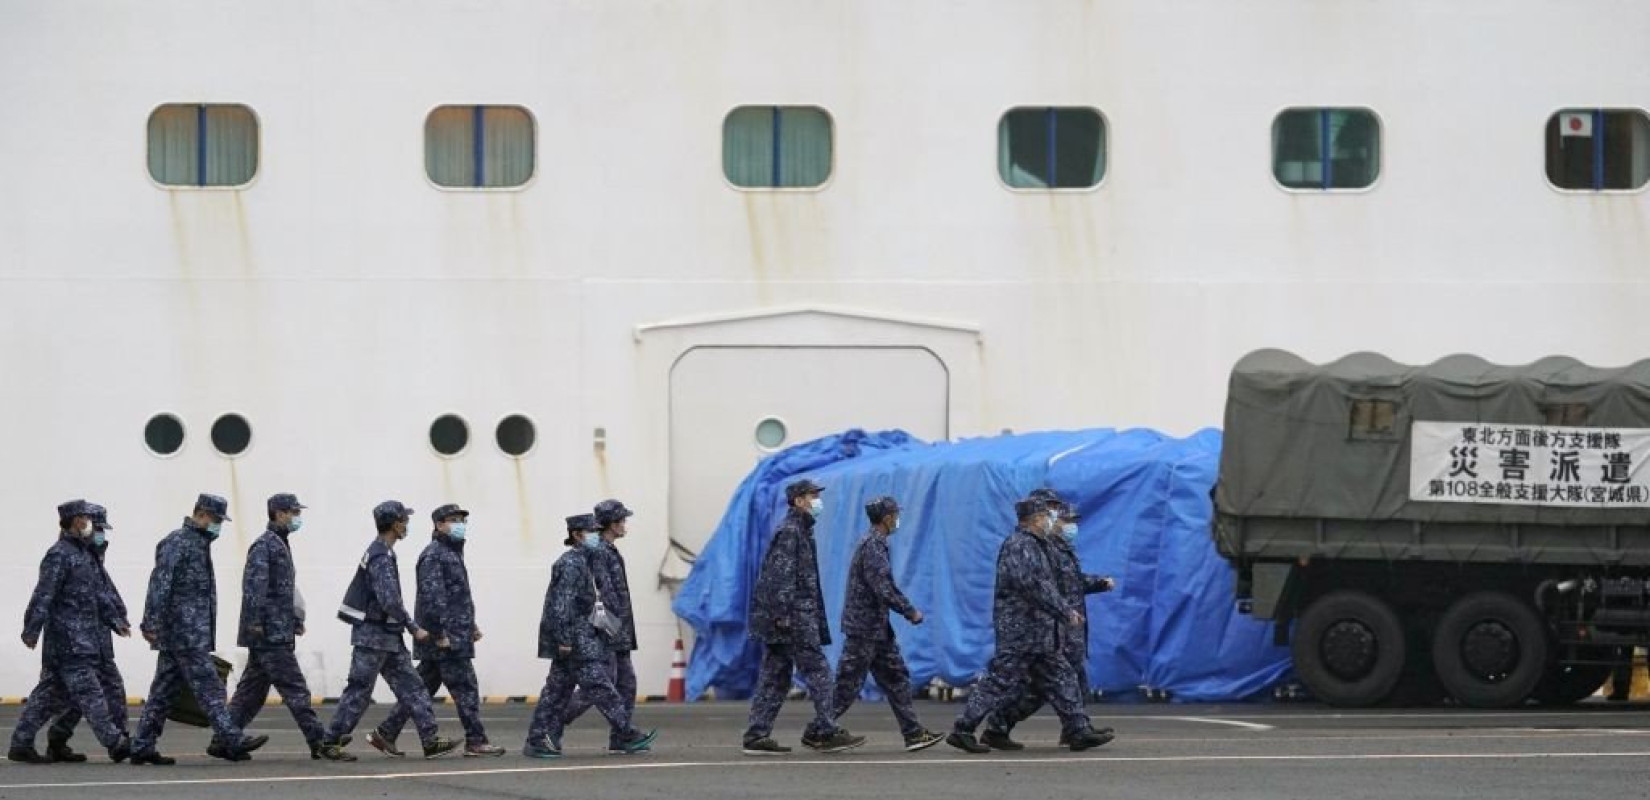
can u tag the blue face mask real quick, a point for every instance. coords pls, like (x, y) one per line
(295, 524)
(816, 506)
(1069, 530)
(214, 529)
(97, 538)
(456, 531)
(592, 540)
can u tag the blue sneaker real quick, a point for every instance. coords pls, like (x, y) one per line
(544, 748)
(643, 742)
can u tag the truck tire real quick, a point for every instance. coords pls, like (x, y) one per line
(1491, 650)
(1349, 649)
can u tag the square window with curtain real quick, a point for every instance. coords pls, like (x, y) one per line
(776, 147)
(1051, 148)
(1326, 148)
(1598, 149)
(479, 147)
(199, 145)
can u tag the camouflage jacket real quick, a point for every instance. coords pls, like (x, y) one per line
(182, 607)
(871, 591)
(615, 585)
(269, 594)
(787, 606)
(568, 602)
(444, 606)
(1028, 612)
(66, 610)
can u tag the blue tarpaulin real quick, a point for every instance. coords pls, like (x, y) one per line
(1144, 498)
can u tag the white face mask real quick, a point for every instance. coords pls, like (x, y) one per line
(816, 506)
(1069, 530)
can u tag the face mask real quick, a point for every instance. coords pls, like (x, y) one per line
(97, 538)
(295, 524)
(456, 531)
(897, 521)
(592, 540)
(214, 529)
(1069, 530)
(815, 506)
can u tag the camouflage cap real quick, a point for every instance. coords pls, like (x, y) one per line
(1030, 507)
(214, 505)
(577, 524)
(880, 508)
(800, 488)
(611, 511)
(285, 502)
(100, 517)
(72, 508)
(390, 511)
(448, 510)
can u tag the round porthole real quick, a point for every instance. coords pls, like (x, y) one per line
(515, 435)
(231, 435)
(163, 435)
(449, 435)
(771, 433)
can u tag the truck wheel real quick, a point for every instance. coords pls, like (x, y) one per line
(1349, 649)
(1490, 650)
(1565, 685)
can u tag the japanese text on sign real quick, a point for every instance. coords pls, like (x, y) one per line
(1466, 462)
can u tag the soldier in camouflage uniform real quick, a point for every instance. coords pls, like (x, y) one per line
(580, 654)
(69, 607)
(272, 619)
(374, 609)
(1032, 620)
(445, 609)
(614, 583)
(180, 620)
(1075, 586)
(870, 646)
(787, 615)
(114, 686)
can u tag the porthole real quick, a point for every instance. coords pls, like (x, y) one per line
(449, 435)
(163, 435)
(231, 435)
(515, 435)
(771, 433)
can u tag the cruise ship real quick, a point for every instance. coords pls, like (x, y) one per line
(526, 255)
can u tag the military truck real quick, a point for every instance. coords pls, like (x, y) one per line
(1459, 528)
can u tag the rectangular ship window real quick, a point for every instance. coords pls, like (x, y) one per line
(1598, 149)
(1326, 148)
(777, 147)
(479, 147)
(199, 145)
(1051, 148)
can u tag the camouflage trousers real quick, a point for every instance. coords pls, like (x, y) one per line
(1036, 696)
(365, 666)
(1009, 676)
(275, 667)
(773, 683)
(882, 660)
(173, 669)
(459, 676)
(72, 688)
(622, 673)
(592, 677)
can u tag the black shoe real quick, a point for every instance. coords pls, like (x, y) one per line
(922, 740)
(26, 755)
(998, 740)
(640, 742)
(764, 746)
(384, 744)
(438, 747)
(840, 742)
(966, 743)
(1085, 740)
(331, 752)
(60, 751)
(152, 757)
(316, 748)
(217, 749)
(121, 750)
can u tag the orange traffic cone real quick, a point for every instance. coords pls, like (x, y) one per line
(677, 692)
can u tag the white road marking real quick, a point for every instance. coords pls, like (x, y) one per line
(1253, 726)
(837, 763)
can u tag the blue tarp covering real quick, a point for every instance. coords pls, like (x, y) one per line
(1171, 623)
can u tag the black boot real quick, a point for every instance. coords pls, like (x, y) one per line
(59, 750)
(26, 755)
